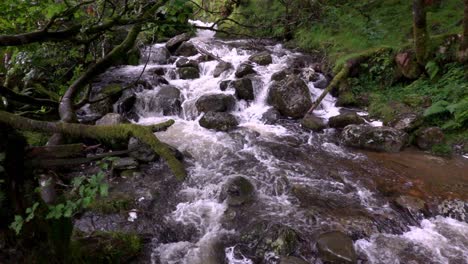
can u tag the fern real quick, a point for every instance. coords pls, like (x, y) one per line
(438, 107)
(432, 69)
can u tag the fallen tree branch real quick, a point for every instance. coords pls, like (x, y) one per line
(105, 134)
(21, 98)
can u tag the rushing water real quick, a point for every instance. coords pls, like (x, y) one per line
(336, 189)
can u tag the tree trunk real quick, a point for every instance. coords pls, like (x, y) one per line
(420, 33)
(103, 133)
(463, 52)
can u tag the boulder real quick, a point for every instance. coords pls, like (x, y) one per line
(292, 260)
(111, 119)
(124, 105)
(184, 62)
(157, 80)
(101, 107)
(407, 122)
(413, 204)
(290, 97)
(428, 137)
(141, 151)
(166, 101)
(215, 103)
(221, 67)
(262, 58)
(159, 71)
(176, 41)
(159, 55)
(237, 191)
(224, 85)
(283, 74)
(336, 247)
(321, 83)
(124, 164)
(205, 58)
(343, 120)
(271, 116)
(244, 69)
(408, 65)
(219, 121)
(244, 88)
(187, 49)
(312, 122)
(188, 73)
(386, 139)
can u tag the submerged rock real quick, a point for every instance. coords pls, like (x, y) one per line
(244, 88)
(429, 137)
(385, 139)
(218, 121)
(343, 120)
(336, 247)
(166, 100)
(222, 67)
(271, 116)
(244, 69)
(224, 85)
(176, 41)
(312, 122)
(291, 97)
(215, 103)
(111, 119)
(187, 49)
(262, 58)
(237, 191)
(184, 62)
(188, 73)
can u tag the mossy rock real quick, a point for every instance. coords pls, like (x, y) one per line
(35, 138)
(347, 98)
(106, 247)
(114, 203)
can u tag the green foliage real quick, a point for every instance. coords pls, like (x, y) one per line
(438, 107)
(441, 150)
(35, 138)
(432, 69)
(19, 221)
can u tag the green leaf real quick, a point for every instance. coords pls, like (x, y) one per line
(436, 108)
(103, 190)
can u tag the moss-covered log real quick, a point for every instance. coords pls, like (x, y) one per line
(420, 33)
(102, 133)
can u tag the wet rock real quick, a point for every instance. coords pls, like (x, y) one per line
(244, 69)
(184, 62)
(336, 247)
(176, 41)
(237, 191)
(429, 137)
(219, 121)
(291, 97)
(205, 58)
(130, 174)
(215, 103)
(124, 105)
(101, 107)
(159, 71)
(168, 100)
(407, 122)
(292, 260)
(159, 55)
(124, 164)
(244, 89)
(224, 85)
(321, 83)
(271, 116)
(141, 151)
(343, 120)
(411, 203)
(222, 67)
(262, 58)
(157, 80)
(312, 122)
(187, 49)
(111, 119)
(283, 74)
(188, 73)
(386, 139)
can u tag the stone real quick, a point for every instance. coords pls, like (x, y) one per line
(124, 105)
(219, 121)
(283, 74)
(167, 100)
(237, 191)
(141, 151)
(101, 107)
(176, 41)
(336, 247)
(343, 120)
(224, 85)
(411, 203)
(407, 122)
(408, 65)
(244, 89)
(312, 122)
(188, 73)
(385, 139)
(184, 62)
(215, 103)
(187, 49)
(262, 58)
(244, 69)
(428, 137)
(222, 67)
(292, 260)
(112, 119)
(290, 97)
(271, 116)
(159, 71)
(124, 164)
(157, 80)
(159, 56)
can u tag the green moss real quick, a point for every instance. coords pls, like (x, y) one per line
(441, 150)
(114, 203)
(35, 138)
